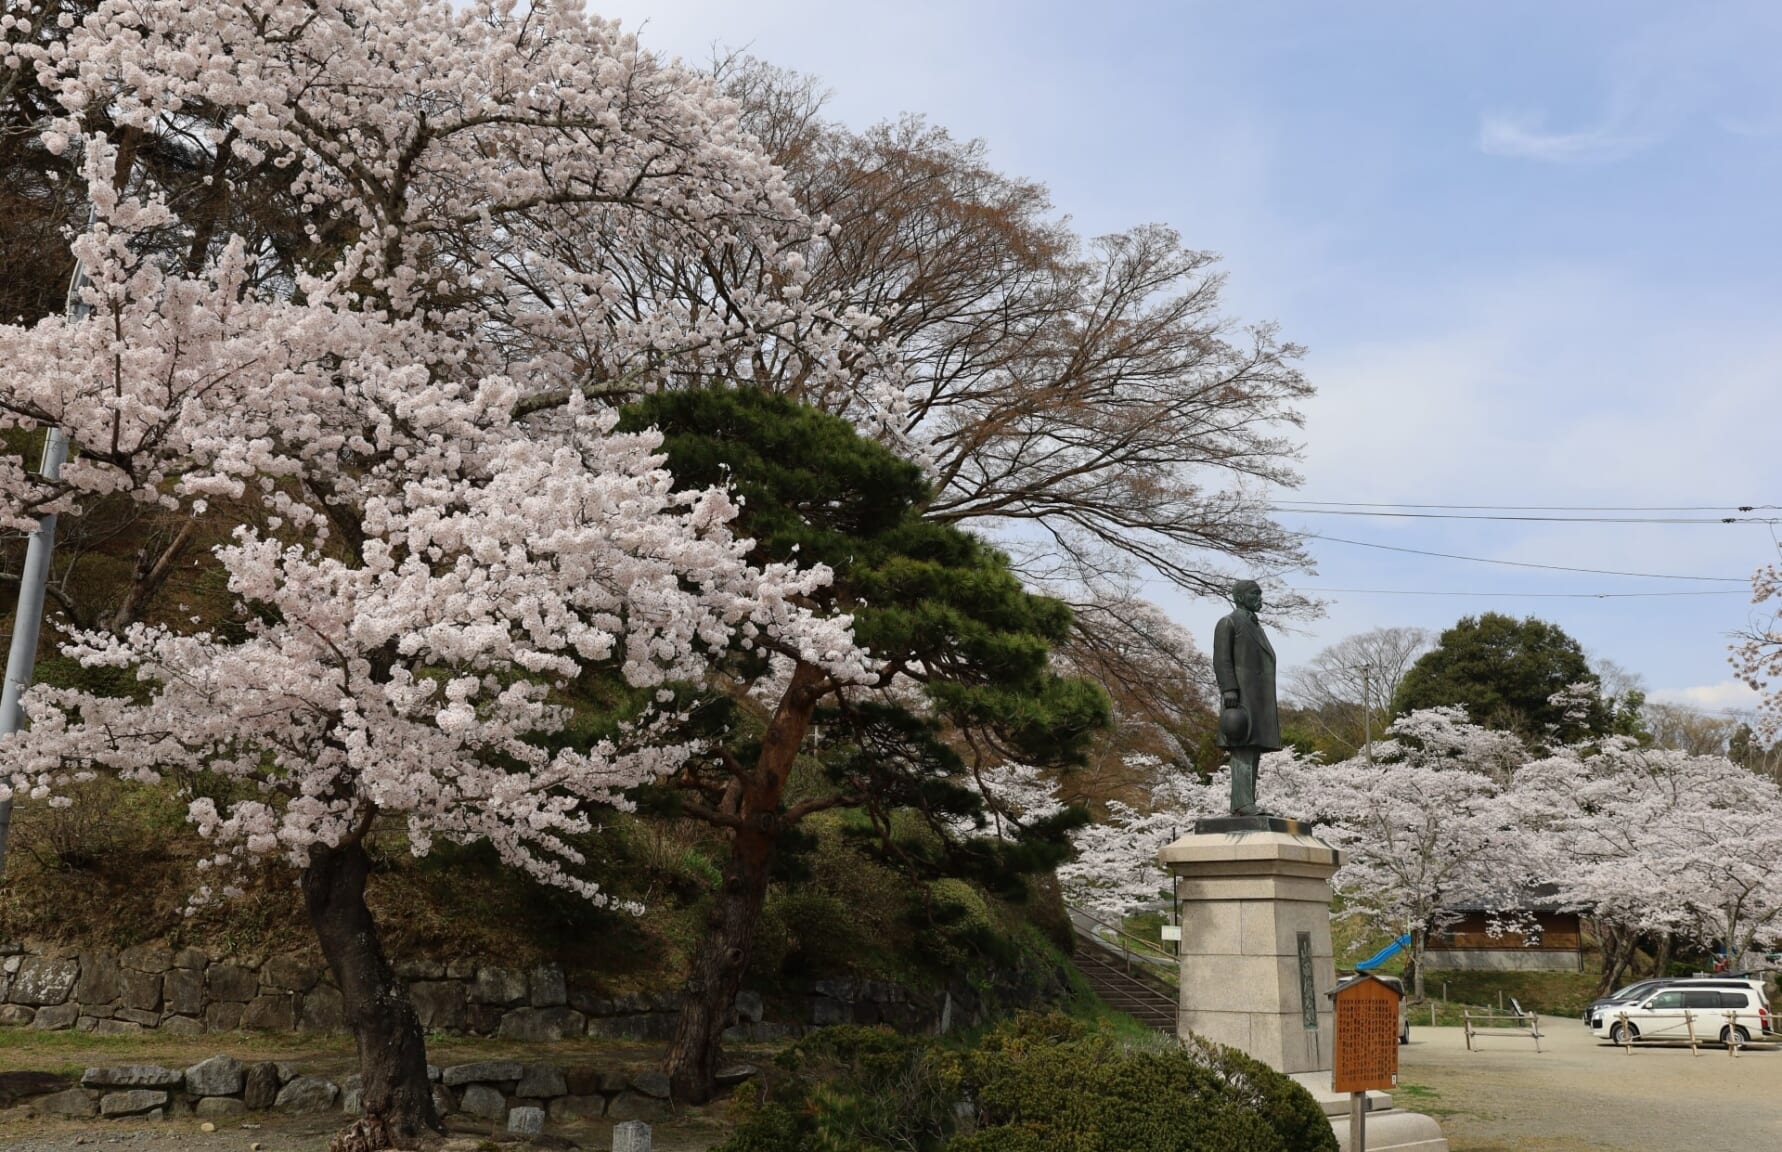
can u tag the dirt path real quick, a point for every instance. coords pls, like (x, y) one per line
(1581, 1095)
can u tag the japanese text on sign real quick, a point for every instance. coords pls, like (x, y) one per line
(1366, 1038)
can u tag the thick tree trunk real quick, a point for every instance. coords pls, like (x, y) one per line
(397, 1108)
(1419, 940)
(1617, 945)
(1661, 956)
(755, 820)
(718, 967)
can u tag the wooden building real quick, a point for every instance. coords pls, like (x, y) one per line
(1553, 940)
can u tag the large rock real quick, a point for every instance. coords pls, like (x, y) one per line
(142, 989)
(439, 1004)
(547, 987)
(484, 1072)
(218, 1106)
(750, 1007)
(288, 974)
(72, 1102)
(323, 1011)
(146, 1019)
(111, 1028)
(55, 1017)
(101, 980)
(16, 1015)
(502, 986)
(418, 969)
(444, 1102)
(526, 1121)
(233, 983)
(182, 991)
(218, 1076)
(352, 1094)
(259, 1087)
(132, 1102)
(146, 958)
(542, 1080)
(223, 1016)
(307, 1094)
(42, 980)
(190, 958)
(569, 1109)
(651, 1083)
(182, 1026)
(274, 1012)
(541, 1024)
(482, 1101)
(132, 1076)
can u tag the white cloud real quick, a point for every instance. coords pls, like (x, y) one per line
(1504, 134)
(1728, 695)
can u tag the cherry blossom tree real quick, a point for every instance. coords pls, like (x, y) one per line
(1116, 871)
(1757, 658)
(1652, 840)
(427, 531)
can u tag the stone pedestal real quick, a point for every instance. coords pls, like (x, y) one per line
(1257, 962)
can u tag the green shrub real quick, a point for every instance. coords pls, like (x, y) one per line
(1037, 1084)
(1047, 1084)
(849, 1088)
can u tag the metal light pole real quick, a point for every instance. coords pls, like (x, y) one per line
(27, 621)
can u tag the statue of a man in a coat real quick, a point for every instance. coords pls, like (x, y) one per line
(1244, 664)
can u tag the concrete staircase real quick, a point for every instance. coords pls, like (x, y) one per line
(1123, 982)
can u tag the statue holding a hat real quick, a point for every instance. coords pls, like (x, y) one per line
(1249, 721)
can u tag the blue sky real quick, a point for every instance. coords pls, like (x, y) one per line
(1532, 249)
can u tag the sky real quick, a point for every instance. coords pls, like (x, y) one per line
(1531, 249)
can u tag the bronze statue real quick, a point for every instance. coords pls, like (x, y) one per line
(1244, 664)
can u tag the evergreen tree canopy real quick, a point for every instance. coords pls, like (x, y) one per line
(966, 681)
(1504, 672)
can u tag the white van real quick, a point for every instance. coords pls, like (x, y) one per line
(1669, 1013)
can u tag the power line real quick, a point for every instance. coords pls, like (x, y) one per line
(1537, 507)
(1540, 595)
(1526, 563)
(1547, 519)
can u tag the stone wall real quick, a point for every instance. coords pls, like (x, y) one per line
(187, 992)
(505, 1092)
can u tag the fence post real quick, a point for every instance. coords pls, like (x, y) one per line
(1689, 1023)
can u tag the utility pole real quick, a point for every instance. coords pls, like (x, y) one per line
(1367, 710)
(27, 621)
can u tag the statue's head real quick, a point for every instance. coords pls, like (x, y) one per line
(1247, 594)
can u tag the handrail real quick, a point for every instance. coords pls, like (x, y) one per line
(1126, 951)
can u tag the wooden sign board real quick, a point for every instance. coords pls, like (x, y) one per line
(1366, 1048)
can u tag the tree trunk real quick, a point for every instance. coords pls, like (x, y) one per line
(397, 1108)
(755, 821)
(718, 967)
(1617, 946)
(1661, 956)
(1419, 940)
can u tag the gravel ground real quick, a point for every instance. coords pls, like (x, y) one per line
(1582, 1095)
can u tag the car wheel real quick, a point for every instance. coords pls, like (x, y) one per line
(1726, 1035)
(1404, 1034)
(1621, 1033)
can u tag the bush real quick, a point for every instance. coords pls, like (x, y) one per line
(856, 1088)
(1047, 1083)
(1037, 1084)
